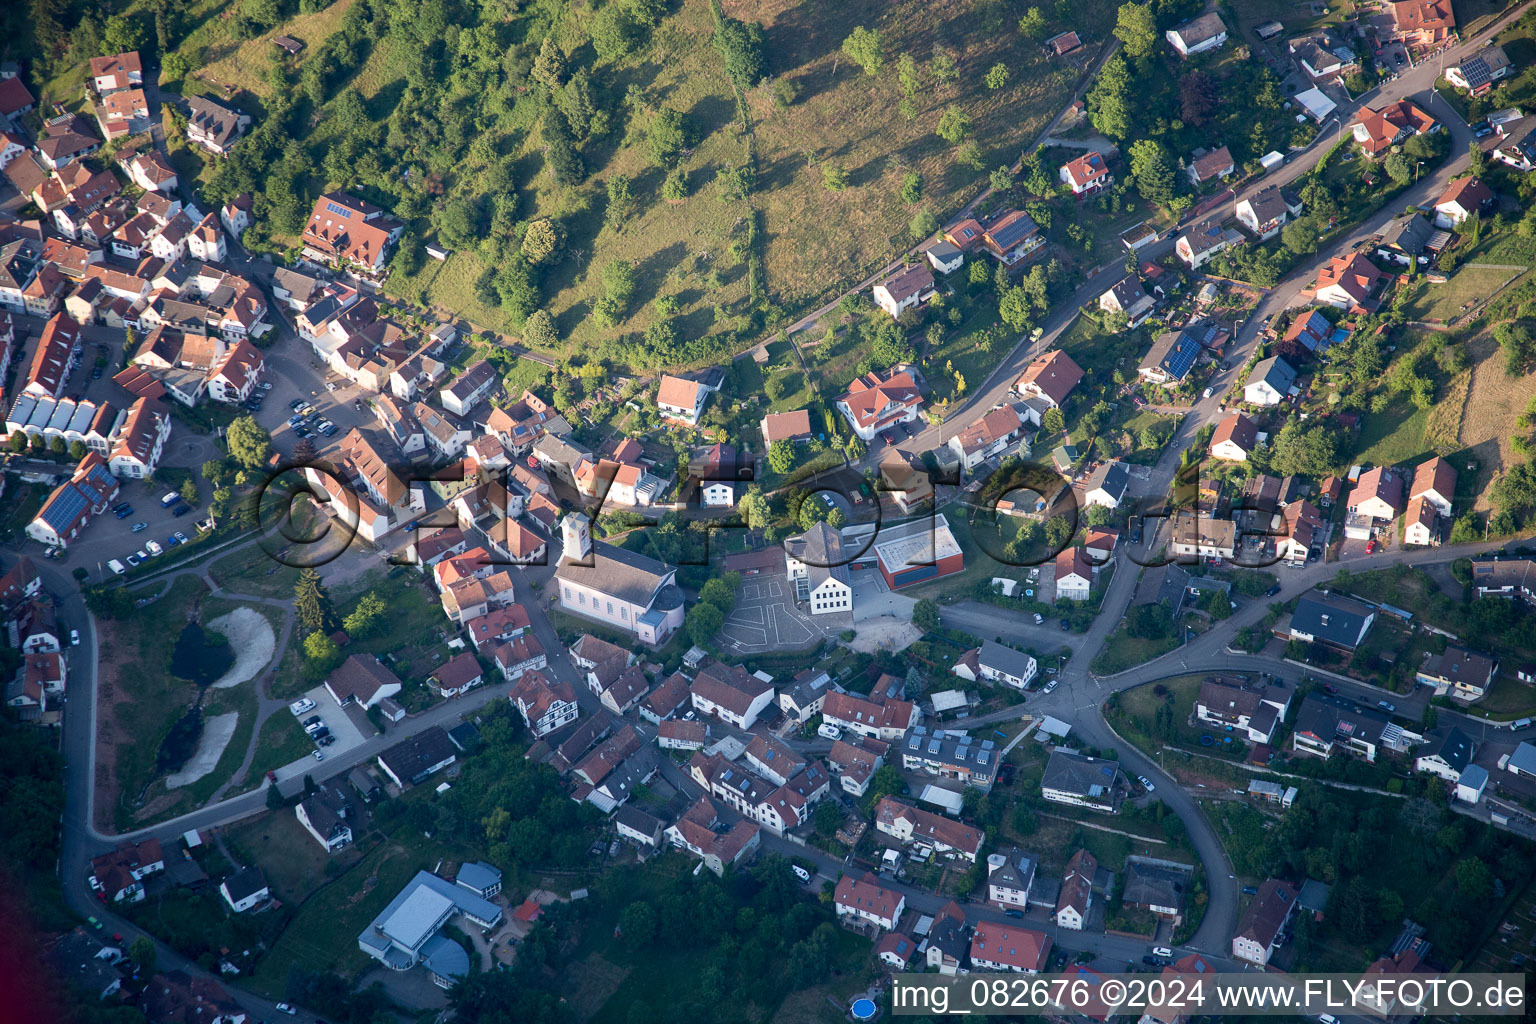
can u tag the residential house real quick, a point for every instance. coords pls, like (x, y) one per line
(245, 889)
(872, 402)
(818, 568)
(1076, 899)
(1157, 887)
(1264, 212)
(1004, 947)
(1411, 238)
(1203, 240)
(120, 874)
(413, 760)
(518, 656)
(786, 426)
(944, 257)
(986, 438)
(1012, 236)
(944, 837)
(1378, 495)
(1447, 753)
(1509, 577)
(803, 698)
(638, 827)
(1328, 725)
(1081, 781)
(1466, 675)
(1128, 297)
(895, 950)
(1435, 482)
(701, 833)
(879, 718)
(1074, 575)
(1477, 73)
(682, 399)
(545, 704)
(1010, 877)
(346, 232)
(950, 754)
(1086, 174)
(1107, 485)
(1347, 282)
(855, 762)
(905, 479)
(213, 126)
(866, 900)
(1269, 382)
(677, 734)
(1422, 23)
(1462, 199)
(1253, 711)
(456, 676)
(475, 383)
(327, 815)
(1421, 524)
(1259, 931)
(363, 680)
(1377, 131)
(176, 997)
(1517, 145)
(621, 588)
(1332, 620)
(905, 290)
(1235, 439)
(1172, 355)
(1005, 665)
(948, 940)
(1050, 376)
(1324, 56)
(1206, 32)
(1211, 166)
(731, 693)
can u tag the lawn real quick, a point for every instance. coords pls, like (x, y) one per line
(1441, 303)
(22, 500)
(322, 935)
(1495, 402)
(1297, 17)
(295, 865)
(1394, 435)
(1122, 651)
(282, 741)
(251, 570)
(1473, 15)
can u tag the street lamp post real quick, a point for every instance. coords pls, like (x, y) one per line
(1416, 168)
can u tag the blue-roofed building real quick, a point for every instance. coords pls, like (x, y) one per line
(72, 505)
(480, 878)
(407, 932)
(1171, 357)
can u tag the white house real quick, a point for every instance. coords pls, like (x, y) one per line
(1207, 32)
(867, 900)
(905, 290)
(681, 399)
(1074, 575)
(817, 567)
(1129, 297)
(1270, 382)
(1264, 212)
(244, 889)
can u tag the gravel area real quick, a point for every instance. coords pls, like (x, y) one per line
(216, 733)
(251, 636)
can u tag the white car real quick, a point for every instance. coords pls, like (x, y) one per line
(319, 754)
(153, 547)
(330, 385)
(1050, 687)
(74, 638)
(800, 872)
(1208, 392)
(1039, 619)
(1162, 951)
(116, 566)
(1146, 784)
(301, 706)
(265, 385)
(285, 1008)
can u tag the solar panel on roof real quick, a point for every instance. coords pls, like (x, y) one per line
(340, 211)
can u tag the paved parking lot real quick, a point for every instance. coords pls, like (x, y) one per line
(347, 734)
(765, 618)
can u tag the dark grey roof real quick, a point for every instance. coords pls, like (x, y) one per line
(1197, 30)
(633, 817)
(1275, 372)
(246, 882)
(1017, 872)
(1173, 352)
(821, 549)
(1330, 618)
(1112, 477)
(1331, 718)
(1452, 746)
(620, 573)
(409, 758)
(1005, 660)
(1153, 884)
(1407, 234)
(1076, 773)
(1267, 203)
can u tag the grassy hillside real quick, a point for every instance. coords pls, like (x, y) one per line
(436, 112)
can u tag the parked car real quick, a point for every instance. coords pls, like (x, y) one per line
(1386, 706)
(181, 510)
(329, 430)
(319, 754)
(1039, 619)
(139, 527)
(74, 638)
(1050, 687)
(800, 872)
(1065, 626)
(204, 525)
(124, 513)
(169, 498)
(285, 1008)
(179, 537)
(96, 373)
(116, 566)
(154, 547)
(1013, 912)
(295, 404)
(1162, 951)
(1250, 890)
(134, 560)
(1146, 783)
(265, 385)
(1370, 546)
(301, 705)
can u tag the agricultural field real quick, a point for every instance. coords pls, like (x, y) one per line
(1488, 427)
(1443, 303)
